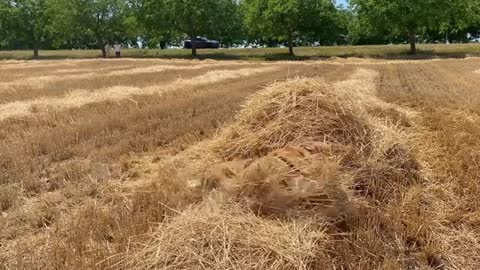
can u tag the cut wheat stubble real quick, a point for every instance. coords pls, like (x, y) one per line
(79, 98)
(405, 221)
(45, 81)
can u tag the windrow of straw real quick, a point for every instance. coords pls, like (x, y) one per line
(291, 112)
(216, 236)
(364, 155)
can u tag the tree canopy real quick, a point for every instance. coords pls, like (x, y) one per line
(25, 22)
(408, 17)
(54, 24)
(218, 18)
(289, 20)
(102, 21)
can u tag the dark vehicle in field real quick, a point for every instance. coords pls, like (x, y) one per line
(201, 43)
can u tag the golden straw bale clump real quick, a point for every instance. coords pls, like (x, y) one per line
(221, 235)
(291, 112)
(372, 150)
(299, 151)
(292, 178)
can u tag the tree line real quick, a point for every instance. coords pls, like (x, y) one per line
(87, 24)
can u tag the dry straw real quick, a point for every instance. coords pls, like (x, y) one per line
(219, 235)
(80, 97)
(289, 112)
(257, 166)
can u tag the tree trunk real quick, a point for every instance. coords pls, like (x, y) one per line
(100, 43)
(35, 50)
(290, 44)
(413, 40)
(193, 35)
(194, 46)
(163, 44)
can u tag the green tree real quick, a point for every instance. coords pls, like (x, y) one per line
(396, 15)
(286, 20)
(189, 17)
(156, 32)
(361, 31)
(25, 22)
(229, 26)
(458, 15)
(5, 10)
(132, 22)
(101, 19)
(411, 16)
(330, 25)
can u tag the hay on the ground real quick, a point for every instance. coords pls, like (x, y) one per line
(292, 178)
(291, 112)
(220, 235)
(303, 147)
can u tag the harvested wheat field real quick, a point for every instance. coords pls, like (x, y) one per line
(180, 164)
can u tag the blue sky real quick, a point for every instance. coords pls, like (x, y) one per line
(343, 2)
